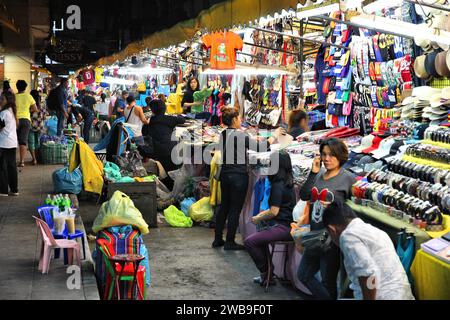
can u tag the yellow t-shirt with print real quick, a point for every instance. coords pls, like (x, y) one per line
(23, 102)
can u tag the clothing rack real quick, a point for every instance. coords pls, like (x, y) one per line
(268, 48)
(357, 25)
(175, 59)
(300, 38)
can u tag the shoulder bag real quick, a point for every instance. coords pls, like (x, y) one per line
(316, 240)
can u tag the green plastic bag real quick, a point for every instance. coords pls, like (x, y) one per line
(112, 171)
(119, 211)
(201, 210)
(176, 218)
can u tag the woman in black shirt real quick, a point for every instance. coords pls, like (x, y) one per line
(275, 222)
(234, 176)
(160, 130)
(188, 99)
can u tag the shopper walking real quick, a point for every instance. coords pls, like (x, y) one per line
(136, 118)
(8, 147)
(58, 103)
(7, 87)
(120, 105)
(370, 258)
(274, 224)
(37, 125)
(89, 101)
(234, 176)
(25, 106)
(83, 114)
(322, 187)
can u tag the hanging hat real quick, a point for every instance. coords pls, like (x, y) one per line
(430, 65)
(424, 43)
(419, 67)
(441, 64)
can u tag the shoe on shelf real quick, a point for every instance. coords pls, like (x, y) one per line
(233, 246)
(14, 194)
(218, 243)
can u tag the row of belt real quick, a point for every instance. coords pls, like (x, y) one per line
(438, 134)
(419, 171)
(436, 194)
(421, 213)
(428, 152)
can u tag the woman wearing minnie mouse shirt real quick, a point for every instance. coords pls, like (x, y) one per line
(322, 188)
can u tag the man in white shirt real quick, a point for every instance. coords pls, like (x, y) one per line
(370, 259)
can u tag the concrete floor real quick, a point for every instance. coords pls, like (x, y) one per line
(20, 249)
(184, 266)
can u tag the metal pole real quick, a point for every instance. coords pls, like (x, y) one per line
(301, 38)
(268, 48)
(434, 6)
(357, 25)
(174, 59)
(302, 43)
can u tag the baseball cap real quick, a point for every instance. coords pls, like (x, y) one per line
(366, 142)
(396, 146)
(418, 133)
(353, 158)
(375, 145)
(384, 149)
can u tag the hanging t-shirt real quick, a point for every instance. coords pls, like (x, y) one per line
(223, 49)
(88, 77)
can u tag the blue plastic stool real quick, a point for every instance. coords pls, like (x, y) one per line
(45, 212)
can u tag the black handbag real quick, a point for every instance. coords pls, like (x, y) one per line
(318, 240)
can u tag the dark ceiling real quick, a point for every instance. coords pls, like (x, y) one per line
(109, 26)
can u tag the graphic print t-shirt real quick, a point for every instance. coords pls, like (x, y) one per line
(322, 192)
(223, 49)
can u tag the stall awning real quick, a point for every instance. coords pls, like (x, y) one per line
(222, 15)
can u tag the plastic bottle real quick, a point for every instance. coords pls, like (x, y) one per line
(67, 202)
(49, 200)
(54, 201)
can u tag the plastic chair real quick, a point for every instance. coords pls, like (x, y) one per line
(49, 243)
(45, 213)
(126, 275)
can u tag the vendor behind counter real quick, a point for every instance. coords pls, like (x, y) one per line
(160, 130)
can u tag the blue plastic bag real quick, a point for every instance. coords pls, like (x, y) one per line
(67, 182)
(52, 126)
(186, 204)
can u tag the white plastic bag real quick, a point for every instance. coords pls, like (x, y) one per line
(299, 210)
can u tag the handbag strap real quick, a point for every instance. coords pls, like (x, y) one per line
(131, 112)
